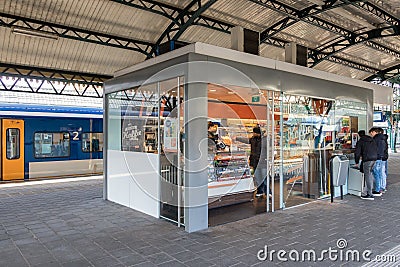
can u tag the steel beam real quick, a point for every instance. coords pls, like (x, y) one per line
(386, 74)
(10, 21)
(378, 12)
(24, 73)
(294, 15)
(345, 62)
(330, 49)
(171, 12)
(307, 15)
(181, 22)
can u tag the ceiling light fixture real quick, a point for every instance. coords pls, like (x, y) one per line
(34, 33)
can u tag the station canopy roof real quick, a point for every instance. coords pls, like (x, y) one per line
(358, 39)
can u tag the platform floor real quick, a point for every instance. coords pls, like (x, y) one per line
(68, 224)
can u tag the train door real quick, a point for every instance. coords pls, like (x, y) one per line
(12, 149)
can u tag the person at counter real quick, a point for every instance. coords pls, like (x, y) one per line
(212, 137)
(258, 159)
(366, 149)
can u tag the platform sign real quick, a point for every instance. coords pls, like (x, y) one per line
(378, 116)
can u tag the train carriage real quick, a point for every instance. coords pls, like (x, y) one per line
(44, 141)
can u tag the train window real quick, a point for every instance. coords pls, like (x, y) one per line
(12, 143)
(92, 142)
(52, 145)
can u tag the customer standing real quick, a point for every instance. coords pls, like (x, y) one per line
(258, 159)
(385, 163)
(366, 150)
(378, 137)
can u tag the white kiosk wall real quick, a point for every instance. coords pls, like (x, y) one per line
(132, 173)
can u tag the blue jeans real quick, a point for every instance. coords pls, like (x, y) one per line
(377, 171)
(384, 174)
(260, 175)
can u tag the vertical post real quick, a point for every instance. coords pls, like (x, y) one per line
(105, 144)
(196, 175)
(281, 148)
(160, 167)
(272, 148)
(331, 182)
(268, 150)
(341, 192)
(178, 173)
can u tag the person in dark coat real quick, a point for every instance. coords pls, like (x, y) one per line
(258, 159)
(379, 139)
(366, 150)
(385, 163)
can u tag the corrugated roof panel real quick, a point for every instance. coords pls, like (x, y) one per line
(342, 70)
(65, 54)
(392, 6)
(113, 18)
(297, 4)
(310, 34)
(177, 3)
(200, 34)
(377, 58)
(243, 13)
(101, 16)
(347, 22)
(272, 52)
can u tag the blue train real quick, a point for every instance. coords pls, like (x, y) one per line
(45, 141)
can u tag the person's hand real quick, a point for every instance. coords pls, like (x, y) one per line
(356, 165)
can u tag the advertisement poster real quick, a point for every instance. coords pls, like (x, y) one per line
(170, 135)
(133, 134)
(354, 140)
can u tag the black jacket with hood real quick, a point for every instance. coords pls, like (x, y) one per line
(380, 141)
(386, 152)
(366, 149)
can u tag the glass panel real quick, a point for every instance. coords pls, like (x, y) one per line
(240, 153)
(350, 117)
(51, 145)
(13, 143)
(306, 129)
(172, 149)
(92, 142)
(133, 119)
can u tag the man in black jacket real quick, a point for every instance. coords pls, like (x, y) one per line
(367, 150)
(385, 163)
(379, 138)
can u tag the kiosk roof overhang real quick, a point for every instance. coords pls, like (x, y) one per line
(128, 77)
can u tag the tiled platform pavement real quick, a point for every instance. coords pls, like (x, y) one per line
(68, 224)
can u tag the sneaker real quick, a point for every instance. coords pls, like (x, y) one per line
(367, 197)
(376, 194)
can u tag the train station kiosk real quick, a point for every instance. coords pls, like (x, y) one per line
(177, 131)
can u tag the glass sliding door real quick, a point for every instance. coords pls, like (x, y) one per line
(306, 130)
(172, 149)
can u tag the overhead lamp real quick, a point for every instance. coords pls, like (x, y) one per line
(34, 33)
